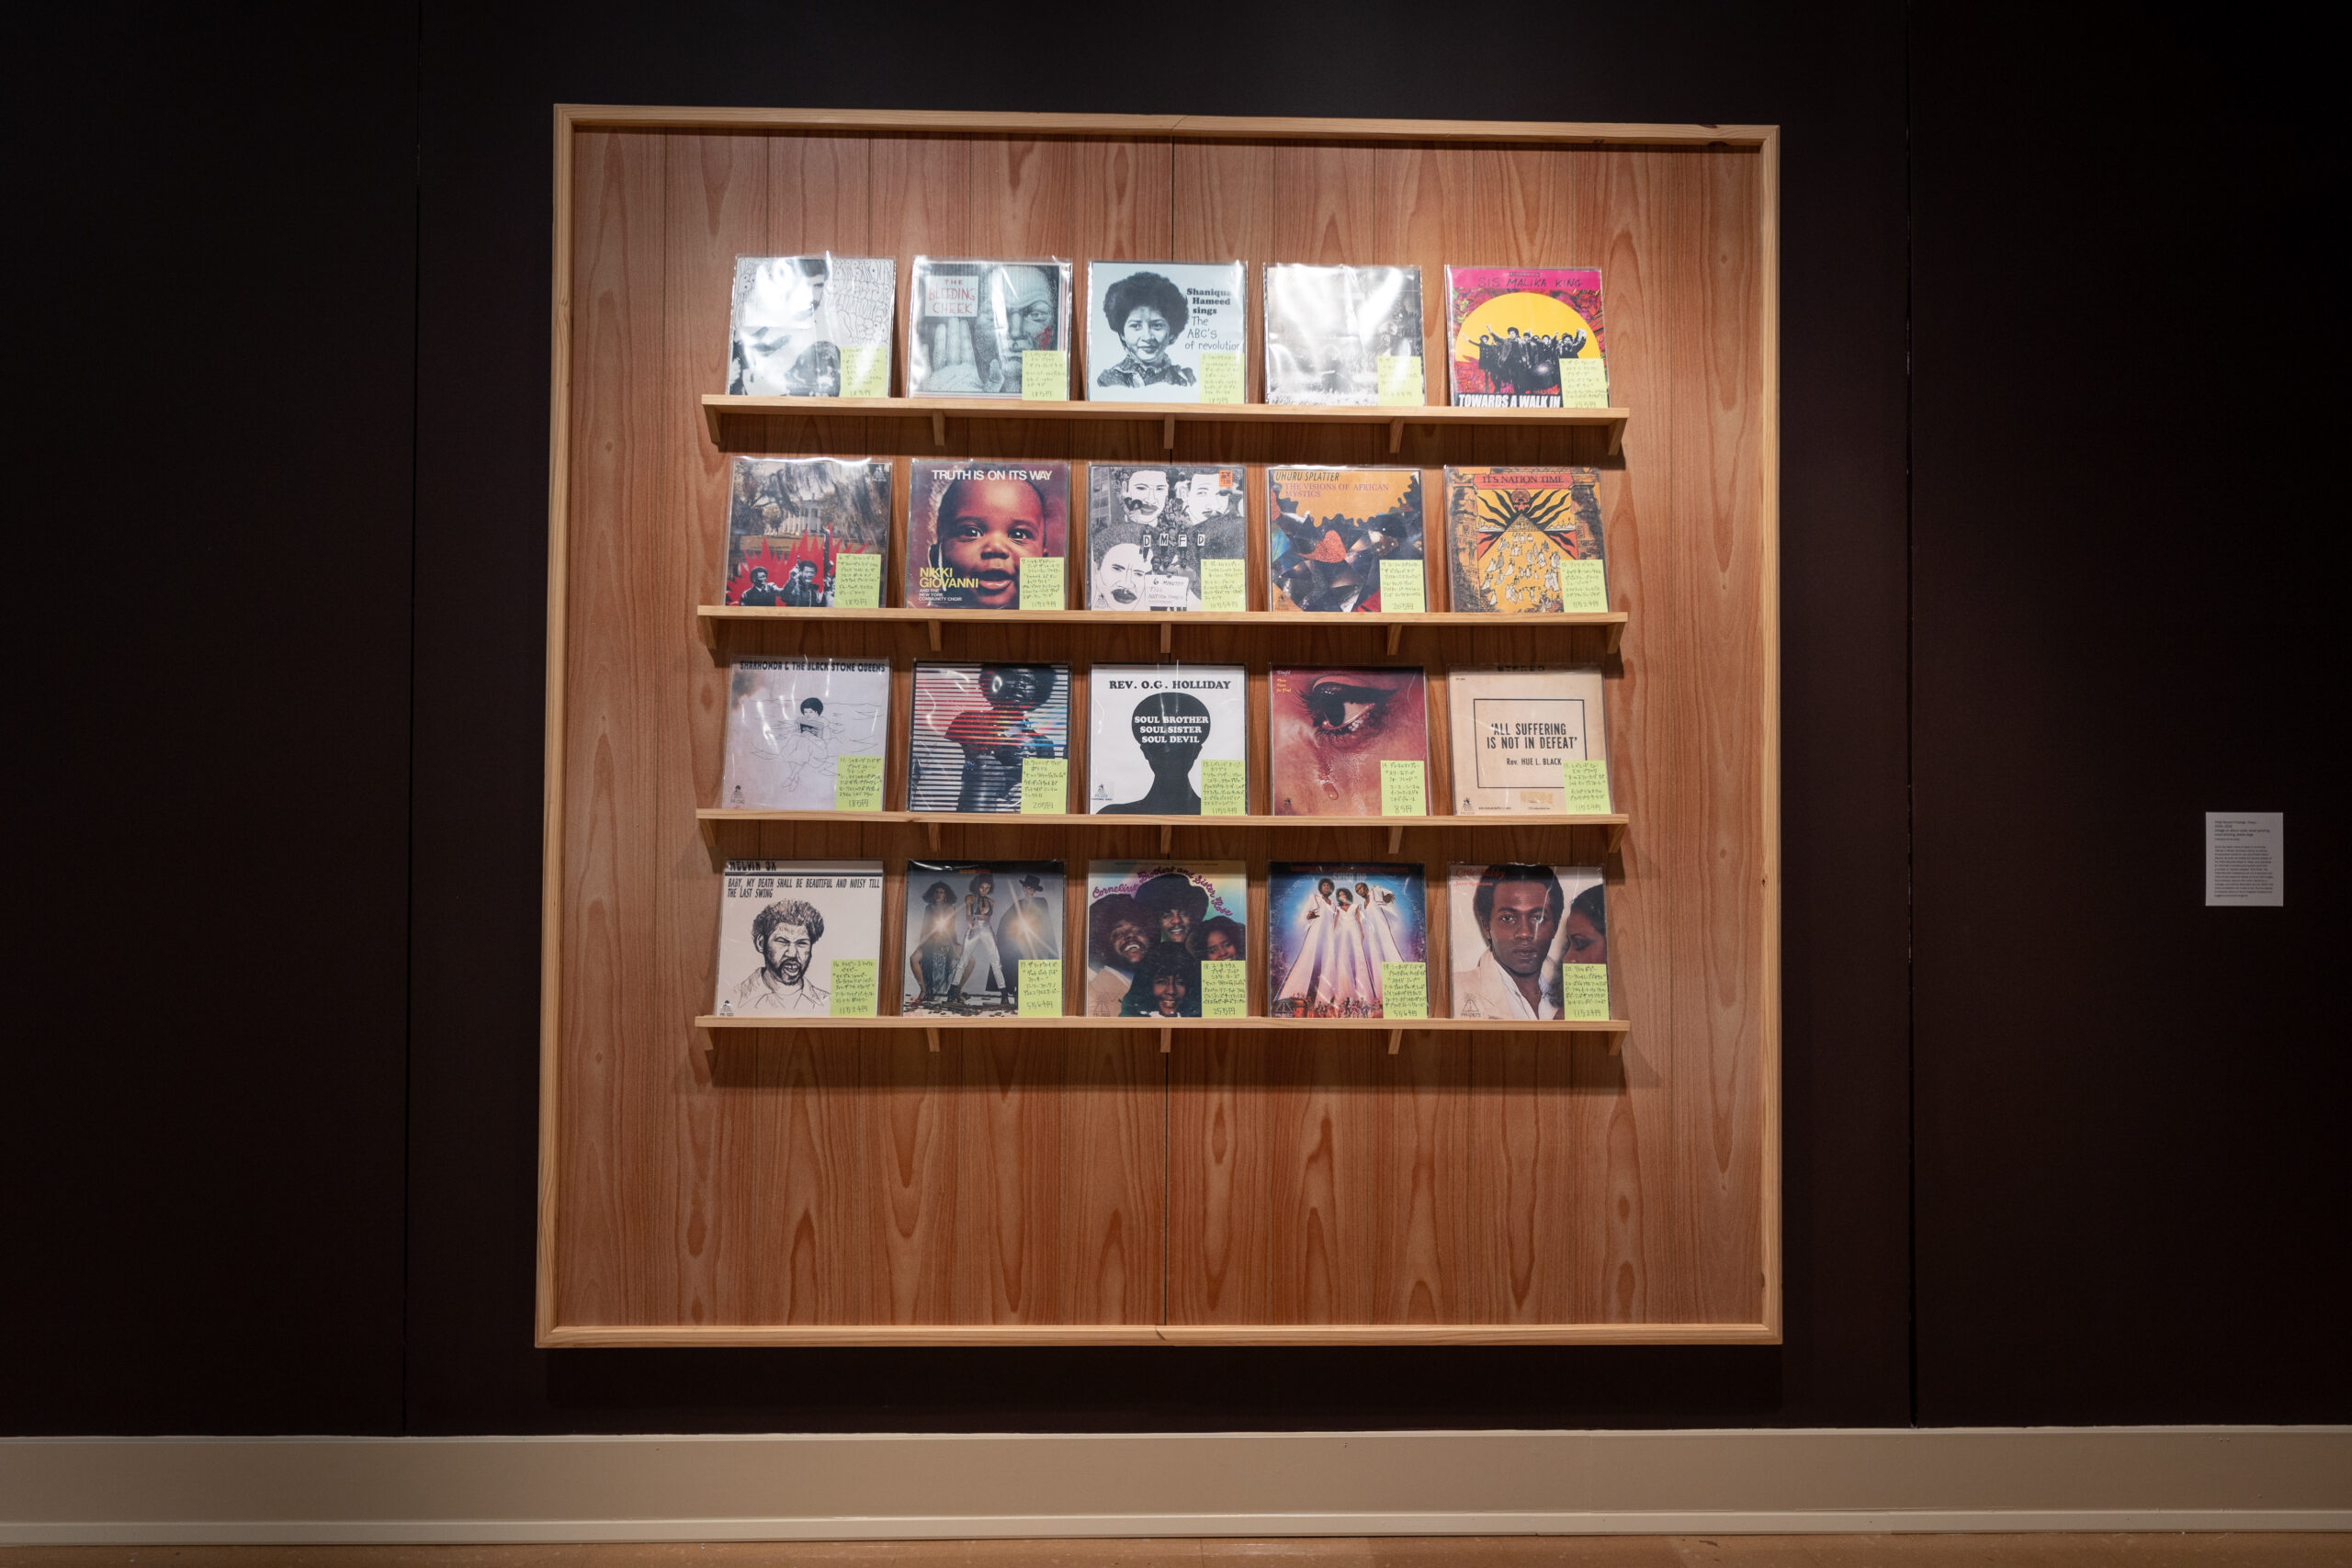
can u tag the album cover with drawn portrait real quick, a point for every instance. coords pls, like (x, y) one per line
(784, 928)
(790, 520)
(1525, 337)
(1330, 730)
(790, 722)
(974, 321)
(1513, 727)
(811, 326)
(1165, 331)
(1343, 335)
(1155, 731)
(1331, 931)
(1330, 532)
(1511, 930)
(975, 726)
(1507, 530)
(970, 525)
(1150, 926)
(1149, 527)
(970, 924)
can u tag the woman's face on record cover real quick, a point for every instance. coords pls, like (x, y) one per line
(1146, 335)
(1342, 722)
(1581, 943)
(1130, 941)
(986, 527)
(1217, 947)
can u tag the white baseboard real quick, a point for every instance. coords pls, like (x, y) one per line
(204, 1490)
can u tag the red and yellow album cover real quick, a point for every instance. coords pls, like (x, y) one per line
(1507, 531)
(790, 520)
(1526, 338)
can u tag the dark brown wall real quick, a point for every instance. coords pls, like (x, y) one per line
(285, 809)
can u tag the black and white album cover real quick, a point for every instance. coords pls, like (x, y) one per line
(790, 722)
(812, 327)
(1152, 729)
(784, 928)
(1343, 334)
(1513, 727)
(1164, 332)
(969, 926)
(974, 728)
(974, 320)
(1148, 528)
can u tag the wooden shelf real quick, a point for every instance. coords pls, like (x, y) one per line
(1615, 1029)
(739, 423)
(719, 824)
(723, 627)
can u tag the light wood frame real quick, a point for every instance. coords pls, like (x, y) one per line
(1759, 939)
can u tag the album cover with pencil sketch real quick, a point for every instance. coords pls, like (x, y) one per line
(969, 926)
(1513, 727)
(782, 926)
(1150, 926)
(1155, 729)
(1331, 929)
(1525, 337)
(1150, 526)
(1513, 929)
(1507, 530)
(1330, 730)
(1165, 331)
(812, 327)
(790, 722)
(975, 320)
(790, 520)
(1343, 335)
(975, 726)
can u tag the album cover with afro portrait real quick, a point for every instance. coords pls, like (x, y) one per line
(1165, 331)
(786, 930)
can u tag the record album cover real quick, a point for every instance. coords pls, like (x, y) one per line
(1507, 530)
(1330, 531)
(1150, 526)
(970, 525)
(790, 722)
(975, 320)
(1331, 932)
(1343, 335)
(1511, 929)
(1330, 730)
(975, 725)
(790, 520)
(812, 327)
(970, 925)
(1157, 733)
(1164, 332)
(1151, 926)
(1512, 728)
(1525, 337)
(799, 937)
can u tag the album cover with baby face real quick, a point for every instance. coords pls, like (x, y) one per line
(970, 525)
(1159, 533)
(975, 321)
(1158, 736)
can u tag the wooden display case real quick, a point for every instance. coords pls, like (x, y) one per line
(711, 1179)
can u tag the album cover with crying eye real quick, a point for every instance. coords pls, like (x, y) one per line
(1330, 730)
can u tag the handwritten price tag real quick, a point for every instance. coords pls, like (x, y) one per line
(1045, 375)
(1403, 588)
(1584, 787)
(1045, 785)
(1403, 990)
(855, 984)
(1403, 791)
(1224, 989)
(1584, 992)
(857, 583)
(857, 786)
(1041, 988)
(1223, 782)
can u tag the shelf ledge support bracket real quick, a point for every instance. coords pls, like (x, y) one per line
(1167, 631)
(932, 830)
(1167, 836)
(1396, 436)
(1395, 839)
(1165, 1036)
(1395, 1040)
(931, 1038)
(939, 430)
(1167, 433)
(934, 627)
(1395, 636)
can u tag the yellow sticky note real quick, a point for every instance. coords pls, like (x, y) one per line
(1041, 583)
(1584, 992)
(857, 583)
(1224, 989)
(1402, 792)
(1584, 787)
(1045, 785)
(1584, 383)
(1220, 377)
(1403, 588)
(865, 370)
(1403, 990)
(1223, 785)
(855, 984)
(1225, 584)
(1045, 375)
(857, 784)
(1583, 589)
(1041, 988)
(1400, 380)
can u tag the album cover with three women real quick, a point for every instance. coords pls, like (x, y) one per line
(1334, 934)
(970, 925)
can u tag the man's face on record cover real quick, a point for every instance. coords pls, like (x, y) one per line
(1521, 927)
(789, 949)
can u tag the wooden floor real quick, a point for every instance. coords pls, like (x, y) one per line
(1516, 1552)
